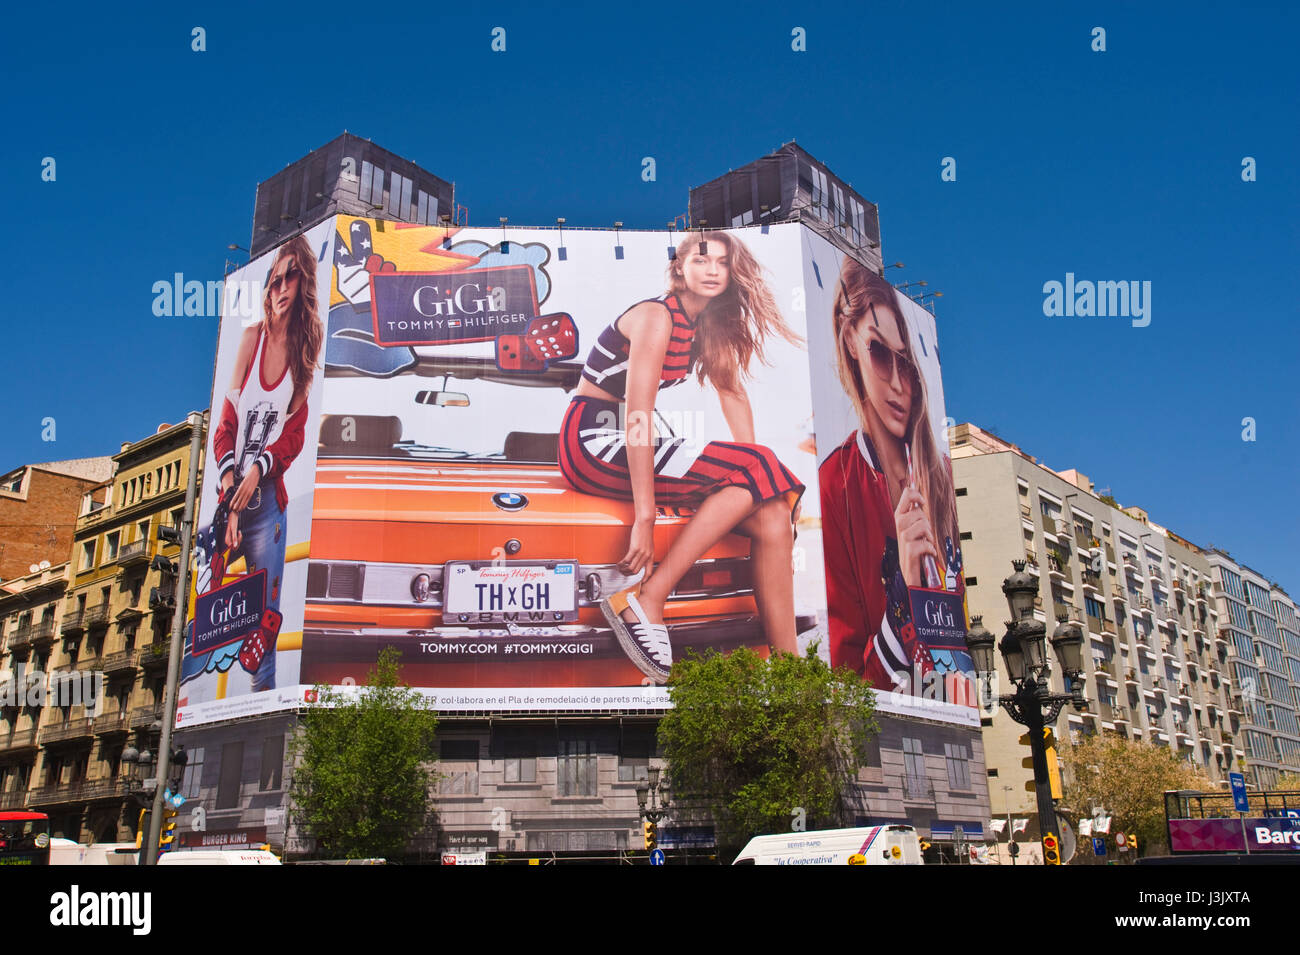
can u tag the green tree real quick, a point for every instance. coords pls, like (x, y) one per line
(764, 745)
(362, 777)
(1129, 779)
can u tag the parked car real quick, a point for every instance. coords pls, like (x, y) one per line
(445, 528)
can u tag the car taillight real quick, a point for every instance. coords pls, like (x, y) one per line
(711, 578)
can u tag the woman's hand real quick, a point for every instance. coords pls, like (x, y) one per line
(641, 550)
(233, 535)
(246, 488)
(915, 536)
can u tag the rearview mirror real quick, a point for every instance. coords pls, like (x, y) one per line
(443, 399)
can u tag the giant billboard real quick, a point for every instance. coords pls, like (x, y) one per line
(544, 465)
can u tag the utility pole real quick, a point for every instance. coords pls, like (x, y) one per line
(150, 854)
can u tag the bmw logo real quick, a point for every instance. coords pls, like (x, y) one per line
(509, 501)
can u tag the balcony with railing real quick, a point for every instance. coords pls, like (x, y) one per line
(1131, 678)
(81, 727)
(1059, 569)
(136, 552)
(154, 654)
(96, 616)
(118, 721)
(18, 740)
(14, 799)
(917, 788)
(74, 621)
(118, 662)
(1120, 714)
(143, 716)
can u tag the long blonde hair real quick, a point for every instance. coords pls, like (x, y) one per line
(733, 329)
(303, 329)
(859, 289)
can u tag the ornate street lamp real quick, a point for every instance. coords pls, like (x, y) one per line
(1033, 705)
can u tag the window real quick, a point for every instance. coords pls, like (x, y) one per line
(914, 781)
(427, 209)
(272, 763)
(111, 542)
(521, 762)
(634, 758)
(961, 492)
(232, 771)
(575, 768)
(87, 555)
(972, 581)
(993, 774)
(966, 535)
(458, 766)
(958, 759)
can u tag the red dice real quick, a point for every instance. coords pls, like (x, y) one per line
(256, 646)
(552, 337)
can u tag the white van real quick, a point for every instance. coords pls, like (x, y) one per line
(67, 852)
(869, 845)
(219, 857)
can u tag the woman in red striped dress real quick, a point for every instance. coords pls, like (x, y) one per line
(714, 321)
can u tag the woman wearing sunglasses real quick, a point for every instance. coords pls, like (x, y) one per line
(712, 322)
(263, 424)
(889, 515)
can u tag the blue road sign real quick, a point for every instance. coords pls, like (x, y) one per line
(1098, 846)
(1238, 782)
(656, 856)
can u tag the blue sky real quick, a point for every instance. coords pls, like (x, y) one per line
(1115, 165)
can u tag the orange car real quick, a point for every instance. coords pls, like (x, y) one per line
(446, 529)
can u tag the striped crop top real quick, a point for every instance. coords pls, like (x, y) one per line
(606, 366)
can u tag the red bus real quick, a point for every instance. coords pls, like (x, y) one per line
(24, 838)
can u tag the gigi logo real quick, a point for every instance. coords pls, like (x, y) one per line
(939, 614)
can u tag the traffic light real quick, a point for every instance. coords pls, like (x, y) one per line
(1053, 764)
(650, 836)
(1051, 849)
(168, 834)
(140, 828)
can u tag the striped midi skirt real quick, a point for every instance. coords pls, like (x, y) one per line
(593, 459)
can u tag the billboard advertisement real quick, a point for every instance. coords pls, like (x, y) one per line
(254, 508)
(543, 465)
(895, 593)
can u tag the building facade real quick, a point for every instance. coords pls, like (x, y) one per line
(1257, 627)
(1157, 666)
(543, 781)
(105, 645)
(38, 507)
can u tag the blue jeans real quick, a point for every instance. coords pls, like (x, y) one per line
(262, 546)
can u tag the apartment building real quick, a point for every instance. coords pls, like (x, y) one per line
(1257, 625)
(107, 645)
(38, 508)
(30, 610)
(1156, 665)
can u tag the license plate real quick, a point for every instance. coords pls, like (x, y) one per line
(525, 592)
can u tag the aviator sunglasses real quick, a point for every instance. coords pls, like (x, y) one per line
(884, 360)
(285, 279)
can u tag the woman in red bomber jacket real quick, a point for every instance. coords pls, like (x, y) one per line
(261, 432)
(887, 498)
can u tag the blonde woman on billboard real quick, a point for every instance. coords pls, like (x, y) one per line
(713, 322)
(262, 429)
(889, 516)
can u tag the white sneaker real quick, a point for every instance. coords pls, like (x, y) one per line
(646, 644)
